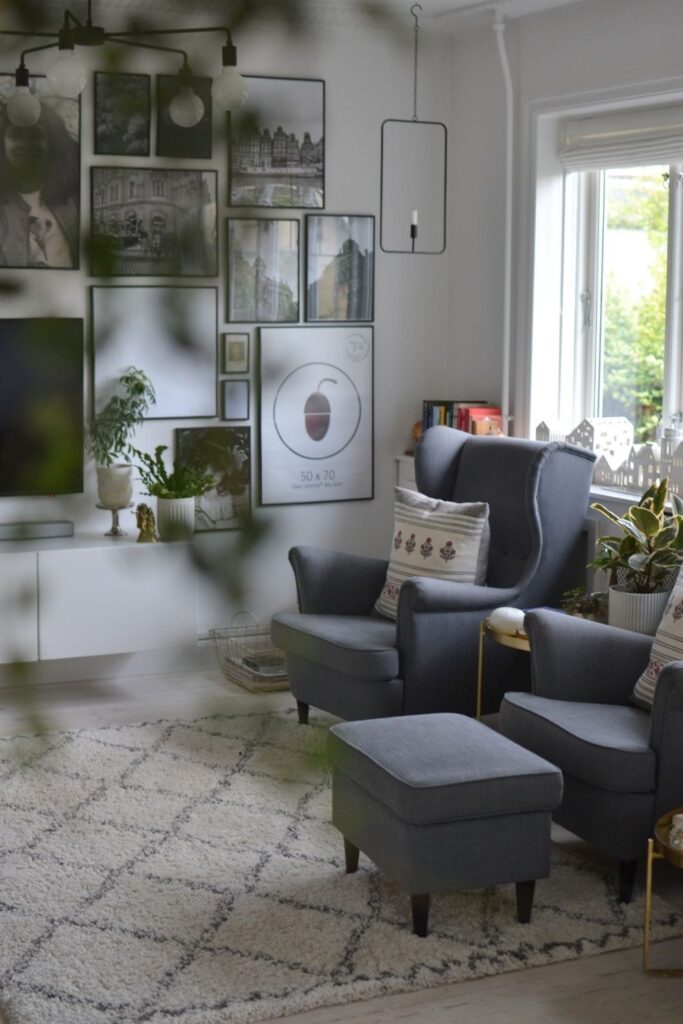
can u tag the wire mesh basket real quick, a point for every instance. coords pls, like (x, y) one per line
(247, 656)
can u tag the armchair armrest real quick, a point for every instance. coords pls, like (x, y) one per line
(666, 738)
(423, 594)
(336, 583)
(574, 659)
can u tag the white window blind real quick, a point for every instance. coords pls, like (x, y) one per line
(624, 138)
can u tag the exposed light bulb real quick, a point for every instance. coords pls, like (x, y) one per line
(229, 89)
(23, 108)
(186, 109)
(66, 76)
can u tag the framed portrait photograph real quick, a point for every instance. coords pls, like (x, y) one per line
(170, 333)
(234, 353)
(277, 144)
(122, 114)
(40, 183)
(153, 222)
(235, 399)
(340, 267)
(263, 271)
(172, 140)
(226, 453)
(316, 414)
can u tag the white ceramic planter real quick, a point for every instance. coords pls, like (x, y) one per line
(640, 613)
(175, 518)
(115, 485)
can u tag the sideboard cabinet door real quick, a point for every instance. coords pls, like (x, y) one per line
(18, 607)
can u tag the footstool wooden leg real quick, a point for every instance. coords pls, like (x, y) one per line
(351, 854)
(525, 900)
(420, 909)
(302, 709)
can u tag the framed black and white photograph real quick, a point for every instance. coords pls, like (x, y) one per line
(170, 333)
(40, 182)
(122, 114)
(174, 140)
(277, 144)
(263, 271)
(340, 267)
(226, 453)
(234, 353)
(235, 399)
(153, 222)
(316, 414)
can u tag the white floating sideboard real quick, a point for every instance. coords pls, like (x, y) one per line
(92, 595)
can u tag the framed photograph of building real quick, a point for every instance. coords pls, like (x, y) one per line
(340, 267)
(235, 399)
(316, 414)
(234, 353)
(40, 183)
(122, 114)
(277, 144)
(172, 140)
(153, 222)
(263, 271)
(226, 453)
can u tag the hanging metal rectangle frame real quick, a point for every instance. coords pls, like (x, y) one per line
(409, 250)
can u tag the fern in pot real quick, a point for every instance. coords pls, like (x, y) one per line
(175, 491)
(111, 431)
(643, 560)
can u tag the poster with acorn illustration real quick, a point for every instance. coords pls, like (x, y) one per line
(316, 436)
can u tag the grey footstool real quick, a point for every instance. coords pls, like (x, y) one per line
(442, 802)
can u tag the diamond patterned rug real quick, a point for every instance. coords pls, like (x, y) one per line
(187, 873)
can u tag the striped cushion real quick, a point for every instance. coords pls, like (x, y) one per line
(441, 539)
(666, 647)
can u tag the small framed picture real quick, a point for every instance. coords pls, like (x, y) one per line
(172, 140)
(263, 271)
(235, 399)
(122, 114)
(234, 353)
(340, 267)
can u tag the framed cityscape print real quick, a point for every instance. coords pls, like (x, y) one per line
(277, 144)
(172, 140)
(340, 267)
(235, 399)
(263, 271)
(234, 353)
(40, 183)
(153, 222)
(316, 414)
(226, 452)
(122, 114)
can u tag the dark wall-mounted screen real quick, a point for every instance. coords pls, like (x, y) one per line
(41, 406)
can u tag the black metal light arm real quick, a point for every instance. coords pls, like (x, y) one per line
(147, 46)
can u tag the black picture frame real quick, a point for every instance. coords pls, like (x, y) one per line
(226, 452)
(235, 360)
(258, 255)
(153, 221)
(282, 121)
(172, 140)
(340, 273)
(122, 113)
(234, 400)
(47, 237)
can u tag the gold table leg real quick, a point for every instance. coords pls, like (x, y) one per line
(480, 671)
(662, 972)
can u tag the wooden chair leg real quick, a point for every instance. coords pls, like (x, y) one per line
(525, 900)
(351, 853)
(302, 710)
(419, 906)
(627, 878)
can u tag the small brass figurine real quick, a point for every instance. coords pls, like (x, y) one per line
(144, 518)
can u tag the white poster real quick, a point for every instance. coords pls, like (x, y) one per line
(316, 414)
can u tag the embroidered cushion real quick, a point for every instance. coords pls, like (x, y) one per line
(445, 540)
(667, 646)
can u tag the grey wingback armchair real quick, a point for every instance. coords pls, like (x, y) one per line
(622, 766)
(345, 660)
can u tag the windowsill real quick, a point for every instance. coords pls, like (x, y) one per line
(613, 495)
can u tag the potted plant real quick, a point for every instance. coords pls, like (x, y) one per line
(583, 605)
(642, 562)
(110, 433)
(175, 491)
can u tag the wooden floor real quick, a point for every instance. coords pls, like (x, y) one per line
(609, 989)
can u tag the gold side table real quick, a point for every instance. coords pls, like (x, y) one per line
(518, 640)
(659, 848)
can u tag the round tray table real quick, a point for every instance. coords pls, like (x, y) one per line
(659, 848)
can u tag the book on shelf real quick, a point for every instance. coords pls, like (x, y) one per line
(442, 412)
(485, 420)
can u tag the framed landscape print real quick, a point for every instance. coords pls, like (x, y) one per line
(40, 183)
(122, 114)
(263, 271)
(340, 267)
(172, 140)
(277, 144)
(170, 333)
(226, 453)
(316, 416)
(234, 353)
(153, 222)
(235, 399)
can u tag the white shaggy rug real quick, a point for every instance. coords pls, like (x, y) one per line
(187, 873)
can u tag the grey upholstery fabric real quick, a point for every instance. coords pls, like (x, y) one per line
(538, 497)
(441, 767)
(362, 646)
